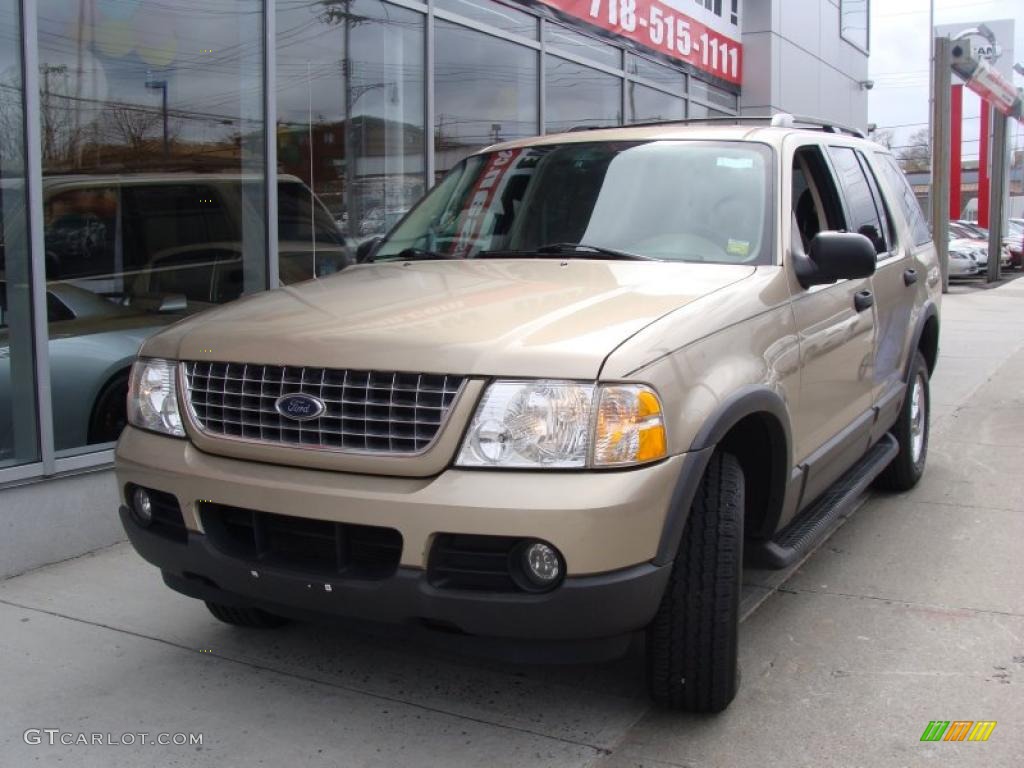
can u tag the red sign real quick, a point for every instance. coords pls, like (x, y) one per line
(991, 86)
(661, 27)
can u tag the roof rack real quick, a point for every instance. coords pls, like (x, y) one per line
(779, 120)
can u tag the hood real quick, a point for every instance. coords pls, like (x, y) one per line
(507, 317)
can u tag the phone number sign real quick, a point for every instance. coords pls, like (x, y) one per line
(663, 28)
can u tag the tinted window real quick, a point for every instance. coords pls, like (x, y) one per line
(888, 231)
(860, 205)
(56, 310)
(161, 218)
(905, 199)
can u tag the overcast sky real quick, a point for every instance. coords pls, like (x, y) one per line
(899, 63)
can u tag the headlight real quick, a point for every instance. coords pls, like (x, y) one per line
(564, 424)
(958, 256)
(153, 397)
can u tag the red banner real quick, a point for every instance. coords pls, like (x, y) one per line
(663, 28)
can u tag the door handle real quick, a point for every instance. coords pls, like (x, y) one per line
(910, 277)
(863, 300)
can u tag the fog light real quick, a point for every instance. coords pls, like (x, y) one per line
(143, 506)
(542, 564)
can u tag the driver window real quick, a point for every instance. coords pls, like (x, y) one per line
(815, 200)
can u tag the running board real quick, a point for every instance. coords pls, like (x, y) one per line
(797, 538)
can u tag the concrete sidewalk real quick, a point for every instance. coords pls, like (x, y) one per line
(912, 611)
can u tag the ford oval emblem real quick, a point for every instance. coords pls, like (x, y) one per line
(299, 407)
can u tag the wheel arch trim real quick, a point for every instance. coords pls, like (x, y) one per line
(749, 401)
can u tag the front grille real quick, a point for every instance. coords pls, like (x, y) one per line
(302, 544)
(364, 411)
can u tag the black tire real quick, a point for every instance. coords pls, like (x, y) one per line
(906, 469)
(246, 617)
(109, 414)
(692, 643)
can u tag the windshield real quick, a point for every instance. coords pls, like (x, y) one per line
(671, 200)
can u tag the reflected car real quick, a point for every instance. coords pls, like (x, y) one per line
(965, 258)
(204, 275)
(93, 342)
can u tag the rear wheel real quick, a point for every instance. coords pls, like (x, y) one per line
(911, 432)
(109, 414)
(245, 617)
(692, 643)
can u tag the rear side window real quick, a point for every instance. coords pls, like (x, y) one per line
(905, 198)
(863, 213)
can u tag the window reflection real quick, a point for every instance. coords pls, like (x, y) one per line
(153, 201)
(579, 96)
(586, 46)
(495, 14)
(485, 91)
(18, 436)
(651, 104)
(350, 119)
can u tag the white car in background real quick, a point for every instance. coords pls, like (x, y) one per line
(966, 258)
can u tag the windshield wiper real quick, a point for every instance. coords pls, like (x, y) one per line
(564, 249)
(413, 254)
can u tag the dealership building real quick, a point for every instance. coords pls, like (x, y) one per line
(158, 158)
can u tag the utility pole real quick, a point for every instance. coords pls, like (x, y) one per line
(161, 85)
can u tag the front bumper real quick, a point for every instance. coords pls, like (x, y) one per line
(607, 525)
(583, 607)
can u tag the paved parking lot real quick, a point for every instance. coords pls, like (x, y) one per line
(912, 611)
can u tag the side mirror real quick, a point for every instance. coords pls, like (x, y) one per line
(836, 256)
(366, 248)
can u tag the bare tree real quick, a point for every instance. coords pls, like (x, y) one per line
(132, 127)
(916, 154)
(883, 136)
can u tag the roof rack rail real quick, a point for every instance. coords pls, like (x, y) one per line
(779, 120)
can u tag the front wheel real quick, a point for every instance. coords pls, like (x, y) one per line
(692, 643)
(911, 432)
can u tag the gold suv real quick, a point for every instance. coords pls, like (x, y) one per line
(581, 382)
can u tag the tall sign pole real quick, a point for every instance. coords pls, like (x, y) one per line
(997, 196)
(956, 125)
(941, 88)
(983, 135)
(985, 80)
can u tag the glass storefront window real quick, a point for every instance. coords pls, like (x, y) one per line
(854, 23)
(649, 104)
(659, 74)
(580, 96)
(570, 41)
(350, 140)
(709, 93)
(493, 14)
(154, 197)
(485, 91)
(699, 110)
(19, 442)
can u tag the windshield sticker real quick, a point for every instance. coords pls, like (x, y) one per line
(738, 247)
(735, 162)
